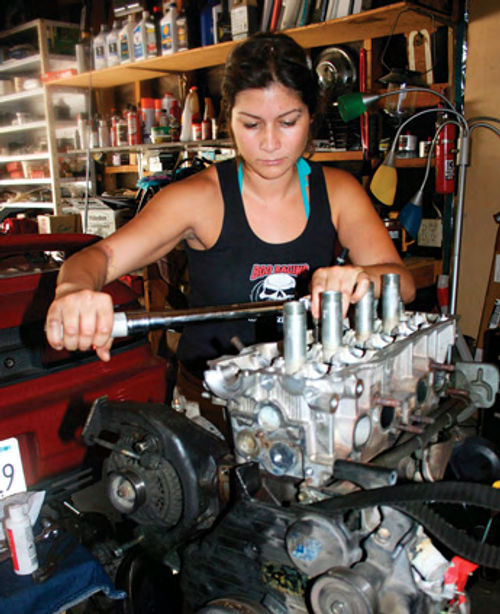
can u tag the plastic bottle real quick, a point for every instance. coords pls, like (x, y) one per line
(82, 53)
(144, 38)
(166, 102)
(190, 115)
(112, 45)
(139, 38)
(182, 31)
(206, 124)
(223, 26)
(151, 36)
(20, 538)
(82, 122)
(99, 48)
(186, 120)
(103, 133)
(126, 41)
(195, 104)
(168, 30)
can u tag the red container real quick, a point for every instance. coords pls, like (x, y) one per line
(45, 394)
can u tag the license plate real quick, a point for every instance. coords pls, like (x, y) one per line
(11, 468)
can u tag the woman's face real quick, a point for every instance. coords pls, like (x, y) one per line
(270, 127)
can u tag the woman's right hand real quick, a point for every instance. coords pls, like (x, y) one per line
(80, 319)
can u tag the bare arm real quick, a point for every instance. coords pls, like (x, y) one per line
(371, 249)
(81, 316)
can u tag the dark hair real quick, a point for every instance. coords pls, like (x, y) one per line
(265, 58)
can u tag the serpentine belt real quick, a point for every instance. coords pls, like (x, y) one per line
(410, 499)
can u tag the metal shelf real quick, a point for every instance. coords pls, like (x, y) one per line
(41, 155)
(26, 127)
(26, 204)
(41, 181)
(25, 94)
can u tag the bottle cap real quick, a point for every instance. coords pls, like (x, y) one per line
(16, 511)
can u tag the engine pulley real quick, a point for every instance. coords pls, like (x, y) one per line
(342, 591)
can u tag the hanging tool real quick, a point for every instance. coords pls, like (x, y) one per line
(419, 53)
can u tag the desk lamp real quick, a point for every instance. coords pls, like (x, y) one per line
(384, 181)
(383, 184)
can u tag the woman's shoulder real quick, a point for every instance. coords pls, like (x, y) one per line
(206, 179)
(202, 187)
(332, 173)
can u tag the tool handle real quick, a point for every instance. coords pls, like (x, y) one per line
(134, 322)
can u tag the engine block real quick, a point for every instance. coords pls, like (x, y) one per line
(297, 407)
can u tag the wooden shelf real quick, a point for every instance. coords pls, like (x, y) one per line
(323, 156)
(124, 168)
(337, 156)
(373, 23)
(424, 270)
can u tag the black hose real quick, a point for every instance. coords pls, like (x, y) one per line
(444, 417)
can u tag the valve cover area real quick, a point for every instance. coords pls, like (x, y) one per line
(354, 405)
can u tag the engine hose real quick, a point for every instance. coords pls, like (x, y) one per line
(445, 417)
(410, 498)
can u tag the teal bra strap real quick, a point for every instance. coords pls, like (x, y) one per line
(240, 176)
(303, 170)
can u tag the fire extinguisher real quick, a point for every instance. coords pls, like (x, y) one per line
(445, 159)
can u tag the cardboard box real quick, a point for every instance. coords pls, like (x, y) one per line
(53, 224)
(102, 220)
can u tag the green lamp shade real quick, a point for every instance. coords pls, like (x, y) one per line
(351, 105)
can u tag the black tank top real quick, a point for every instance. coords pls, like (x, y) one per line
(240, 268)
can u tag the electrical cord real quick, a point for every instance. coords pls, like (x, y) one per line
(391, 34)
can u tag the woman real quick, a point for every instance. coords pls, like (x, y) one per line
(253, 228)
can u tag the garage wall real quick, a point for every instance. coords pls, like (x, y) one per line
(482, 200)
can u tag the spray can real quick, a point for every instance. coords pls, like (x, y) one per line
(175, 120)
(122, 132)
(115, 118)
(148, 117)
(168, 30)
(21, 540)
(132, 123)
(157, 105)
(112, 45)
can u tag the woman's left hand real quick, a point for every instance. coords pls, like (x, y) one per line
(352, 281)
